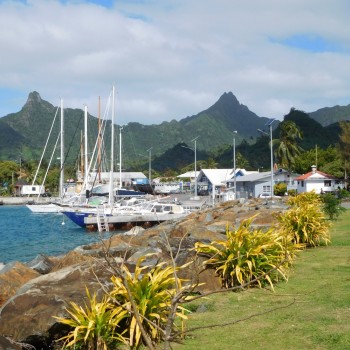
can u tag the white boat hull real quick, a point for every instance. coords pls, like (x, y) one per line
(44, 208)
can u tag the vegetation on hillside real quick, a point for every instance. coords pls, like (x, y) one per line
(299, 141)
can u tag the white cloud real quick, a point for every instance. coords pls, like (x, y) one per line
(174, 59)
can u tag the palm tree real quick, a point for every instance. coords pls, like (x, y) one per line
(287, 148)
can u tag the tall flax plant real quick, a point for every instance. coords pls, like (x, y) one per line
(95, 327)
(249, 254)
(151, 290)
(305, 220)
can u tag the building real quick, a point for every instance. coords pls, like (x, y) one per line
(317, 181)
(207, 179)
(253, 184)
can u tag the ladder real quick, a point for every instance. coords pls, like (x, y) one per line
(102, 220)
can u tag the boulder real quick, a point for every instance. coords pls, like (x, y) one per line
(12, 277)
(8, 344)
(41, 263)
(30, 311)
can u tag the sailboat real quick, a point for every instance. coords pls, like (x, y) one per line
(78, 215)
(51, 207)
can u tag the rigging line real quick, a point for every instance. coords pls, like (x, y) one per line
(47, 170)
(90, 164)
(47, 141)
(70, 145)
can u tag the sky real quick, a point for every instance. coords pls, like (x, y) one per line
(170, 59)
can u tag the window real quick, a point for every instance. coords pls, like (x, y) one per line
(267, 189)
(327, 183)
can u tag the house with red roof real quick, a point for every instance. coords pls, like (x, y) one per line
(317, 181)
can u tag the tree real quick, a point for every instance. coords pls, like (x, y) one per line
(344, 143)
(209, 164)
(332, 205)
(287, 147)
(327, 160)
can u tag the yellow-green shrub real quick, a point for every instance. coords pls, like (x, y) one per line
(305, 220)
(95, 326)
(152, 290)
(248, 254)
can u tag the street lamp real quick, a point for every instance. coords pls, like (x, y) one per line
(234, 161)
(195, 164)
(269, 123)
(120, 157)
(149, 166)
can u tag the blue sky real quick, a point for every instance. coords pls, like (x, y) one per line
(174, 58)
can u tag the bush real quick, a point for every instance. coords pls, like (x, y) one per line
(95, 326)
(151, 290)
(146, 294)
(305, 220)
(332, 205)
(280, 189)
(248, 254)
(292, 193)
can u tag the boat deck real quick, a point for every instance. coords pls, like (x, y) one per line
(126, 222)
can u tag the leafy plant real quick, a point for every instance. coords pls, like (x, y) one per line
(305, 220)
(150, 290)
(248, 254)
(292, 193)
(94, 328)
(332, 205)
(280, 189)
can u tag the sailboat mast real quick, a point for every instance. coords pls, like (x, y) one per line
(99, 141)
(85, 148)
(120, 157)
(62, 153)
(111, 196)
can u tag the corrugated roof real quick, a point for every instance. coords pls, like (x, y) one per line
(315, 175)
(217, 176)
(253, 177)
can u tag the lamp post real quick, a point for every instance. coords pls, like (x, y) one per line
(269, 123)
(195, 166)
(234, 162)
(120, 157)
(149, 166)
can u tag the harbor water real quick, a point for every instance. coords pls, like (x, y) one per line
(24, 235)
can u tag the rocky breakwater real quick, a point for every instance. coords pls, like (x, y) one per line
(31, 294)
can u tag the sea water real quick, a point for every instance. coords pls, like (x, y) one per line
(24, 235)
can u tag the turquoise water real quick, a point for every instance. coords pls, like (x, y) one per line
(24, 235)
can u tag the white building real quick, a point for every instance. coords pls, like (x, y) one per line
(317, 181)
(252, 184)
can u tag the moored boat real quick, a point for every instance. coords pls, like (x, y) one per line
(123, 215)
(44, 208)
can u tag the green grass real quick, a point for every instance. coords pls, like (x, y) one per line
(310, 311)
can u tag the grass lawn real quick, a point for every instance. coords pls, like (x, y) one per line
(310, 311)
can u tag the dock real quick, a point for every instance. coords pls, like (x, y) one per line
(127, 222)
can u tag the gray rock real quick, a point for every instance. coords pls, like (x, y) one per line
(41, 264)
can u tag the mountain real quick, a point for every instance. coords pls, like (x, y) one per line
(24, 134)
(330, 115)
(29, 129)
(213, 127)
(312, 131)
